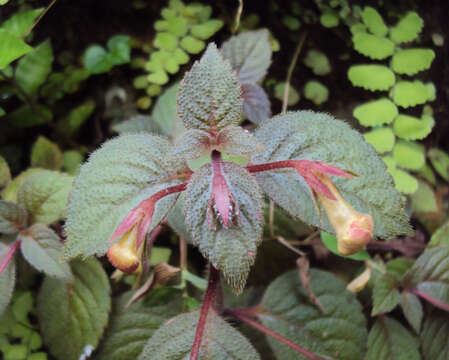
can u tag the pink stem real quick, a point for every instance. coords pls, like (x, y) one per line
(271, 166)
(167, 191)
(208, 302)
(11, 251)
(239, 315)
(433, 301)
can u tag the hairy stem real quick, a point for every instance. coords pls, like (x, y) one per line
(271, 166)
(208, 302)
(433, 301)
(253, 323)
(167, 191)
(9, 255)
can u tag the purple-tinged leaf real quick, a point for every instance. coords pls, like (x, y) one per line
(13, 217)
(193, 144)
(256, 105)
(412, 309)
(237, 141)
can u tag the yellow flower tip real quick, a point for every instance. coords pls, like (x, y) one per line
(357, 233)
(123, 258)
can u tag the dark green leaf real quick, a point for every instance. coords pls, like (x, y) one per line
(27, 116)
(96, 60)
(119, 47)
(46, 154)
(435, 336)
(412, 309)
(385, 294)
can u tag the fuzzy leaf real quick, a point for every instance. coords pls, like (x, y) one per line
(256, 104)
(7, 280)
(42, 248)
(430, 274)
(440, 161)
(411, 128)
(10, 193)
(130, 328)
(237, 141)
(316, 92)
(407, 29)
(13, 217)
(46, 154)
(249, 54)
(319, 137)
(385, 294)
(412, 309)
(19, 23)
(382, 139)
(44, 195)
(410, 93)
(424, 199)
(220, 342)
(371, 77)
(409, 155)
(193, 144)
(209, 95)
(435, 336)
(34, 67)
(231, 250)
(377, 112)
(11, 48)
(412, 61)
(374, 22)
(176, 219)
(79, 310)
(116, 178)
(389, 340)
(136, 124)
(318, 62)
(339, 333)
(375, 47)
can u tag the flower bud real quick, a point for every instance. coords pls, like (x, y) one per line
(124, 256)
(354, 230)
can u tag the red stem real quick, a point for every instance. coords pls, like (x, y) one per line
(271, 166)
(433, 301)
(167, 191)
(239, 315)
(11, 251)
(208, 302)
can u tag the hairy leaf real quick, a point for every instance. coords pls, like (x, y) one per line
(11, 48)
(412, 309)
(256, 104)
(374, 22)
(46, 154)
(412, 61)
(116, 178)
(34, 67)
(339, 333)
(42, 248)
(231, 250)
(435, 336)
(10, 192)
(7, 279)
(130, 328)
(193, 144)
(385, 294)
(409, 155)
(389, 340)
(407, 29)
(382, 138)
(136, 124)
(375, 47)
(221, 341)
(410, 93)
(74, 315)
(411, 128)
(176, 219)
(249, 54)
(377, 112)
(13, 217)
(237, 141)
(209, 95)
(371, 77)
(44, 195)
(313, 136)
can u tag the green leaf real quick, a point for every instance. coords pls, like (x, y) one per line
(2, 112)
(410, 93)
(407, 29)
(411, 128)
(249, 54)
(130, 328)
(159, 77)
(434, 336)
(404, 182)
(10, 193)
(175, 25)
(339, 332)
(389, 340)
(205, 30)
(330, 241)
(96, 60)
(34, 68)
(382, 139)
(319, 137)
(318, 62)
(42, 248)
(165, 115)
(192, 45)
(409, 155)
(412, 61)
(371, 77)
(430, 274)
(136, 124)
(5, 173)
(119, 47)
(79, 310)
(385, 294)
(399, 266)
(291, 22)
(231, 250)
(375, 47)
(440, 161)
(44, 195)
(181, 56)
(11, 48)
(256, 105)
(220, 341)
(412, 309)
(176, 219)
(316, 92)
(424, 199)
(166, 41)
(209, 95)
(70, 124)
(116, 178)
(27, 116)
(293, 95)
(441, 236)
(374, 22)
(329, 19)
(7, 279)
(20, 23)
(46, 154)
(71, 161)
(376, 112)
(13, 217)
